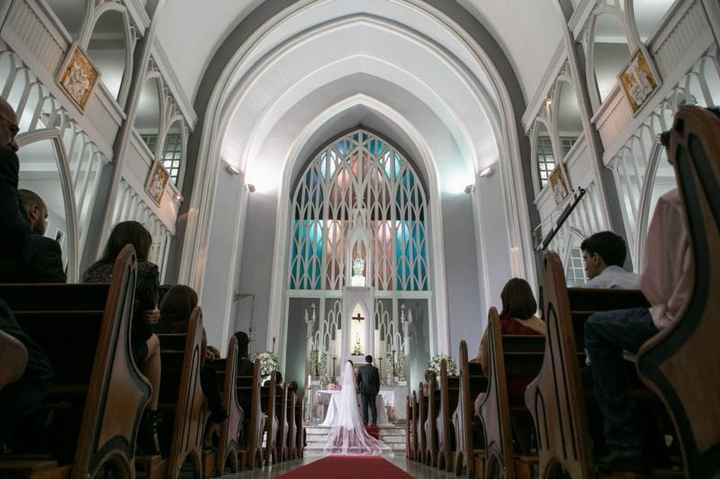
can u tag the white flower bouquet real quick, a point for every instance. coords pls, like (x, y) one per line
(434, 365)
(269, 363)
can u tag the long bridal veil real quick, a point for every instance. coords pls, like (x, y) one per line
(347, 434)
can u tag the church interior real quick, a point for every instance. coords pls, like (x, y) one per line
(509, 208)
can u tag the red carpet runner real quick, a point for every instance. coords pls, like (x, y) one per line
(348, 467)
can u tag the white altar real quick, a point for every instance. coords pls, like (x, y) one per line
(389, 403)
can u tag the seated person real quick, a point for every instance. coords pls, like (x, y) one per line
(666, 281)
(517, 318)
(245, 365)
(145, 344)
(604, 255)
(24, 416)
(175, 311)
(45, 264)
(13, 359)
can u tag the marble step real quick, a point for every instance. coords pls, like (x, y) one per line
(392, 436)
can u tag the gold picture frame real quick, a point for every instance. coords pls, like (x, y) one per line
(78, 76)
(639, 81)
(559, 184)
(157, 181)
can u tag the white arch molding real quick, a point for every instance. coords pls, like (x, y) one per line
(54, 136)
(226, 96)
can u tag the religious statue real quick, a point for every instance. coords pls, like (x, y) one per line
(358, 273)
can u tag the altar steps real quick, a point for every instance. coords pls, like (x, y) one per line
(316, 437)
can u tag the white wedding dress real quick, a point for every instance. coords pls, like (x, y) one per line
(347, 434)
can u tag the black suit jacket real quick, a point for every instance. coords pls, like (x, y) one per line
(14, 228)
(46, 264)
(368, 380)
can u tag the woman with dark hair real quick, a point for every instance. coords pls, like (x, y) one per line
(145, 344)
(517, 316)
(176, 308)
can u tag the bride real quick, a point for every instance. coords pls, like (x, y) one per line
(347, 434)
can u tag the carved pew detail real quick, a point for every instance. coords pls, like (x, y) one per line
(681, 364)
(430, 425)
(268, 395)
(449, 394)
(248, 393)
(420, 423)
(87, 325)
(229, 450)
(472, 383)
(555, 398)
(511, 358)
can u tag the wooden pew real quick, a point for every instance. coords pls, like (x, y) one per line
(556, 397)
(248, 393)
(85, 331)
(182, 403)
(449, 396)
(468, 434)
(410, 434)
(513, 360)
(229, 453)
(268, 394)
(281, 396)
(682, 363)
(300, 421)
(430, 425)
(292, 425)
(420, 424)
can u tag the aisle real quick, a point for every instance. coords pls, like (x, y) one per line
(348, 467)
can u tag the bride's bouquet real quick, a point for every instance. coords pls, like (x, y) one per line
(434, 365)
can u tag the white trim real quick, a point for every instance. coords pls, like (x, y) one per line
(173, 83)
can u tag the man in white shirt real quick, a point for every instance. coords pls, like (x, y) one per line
(604, 255)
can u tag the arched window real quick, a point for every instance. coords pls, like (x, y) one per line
(359, 214)
(648, 15)
(568, 119)
(147, 116)
(108, 49)
(71, 14)
(173, 152)
(611, 53)
(544, 156)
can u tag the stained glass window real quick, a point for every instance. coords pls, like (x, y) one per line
(359, 182)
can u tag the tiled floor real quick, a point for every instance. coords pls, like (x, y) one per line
(414, 469)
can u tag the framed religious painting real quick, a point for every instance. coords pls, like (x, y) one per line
(157, 180)
(559, 184)
(78, 76)
(639, 80)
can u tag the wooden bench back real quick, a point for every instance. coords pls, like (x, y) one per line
(181, 392)
(472, 383)
(268, 395)
(555, 398)
(281, 399)
(511, 358)
(682, 363)
(291, 440)
(248, 393)
(85, 331)
(433, 412)
(300, 422)
(230, 433)
(449, 395)
(421, 418)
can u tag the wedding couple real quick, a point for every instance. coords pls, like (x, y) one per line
(348, 434)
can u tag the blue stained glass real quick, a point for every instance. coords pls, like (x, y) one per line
(307, 252)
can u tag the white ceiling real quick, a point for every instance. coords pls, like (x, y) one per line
(190, 31)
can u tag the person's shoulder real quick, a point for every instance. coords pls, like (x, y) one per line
(147, 267)
(98, 272)
(43, 242)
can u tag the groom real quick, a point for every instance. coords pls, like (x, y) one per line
(369, 387)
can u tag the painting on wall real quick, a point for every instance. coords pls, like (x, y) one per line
(157, 180)
(639, 81)
(78, 77)
(559, 184)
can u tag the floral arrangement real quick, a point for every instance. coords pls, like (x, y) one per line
(269, 363)
(434, 365)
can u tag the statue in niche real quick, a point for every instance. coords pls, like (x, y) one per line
(358, 273)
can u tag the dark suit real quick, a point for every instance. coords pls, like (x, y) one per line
(14, 228)
(369, 387)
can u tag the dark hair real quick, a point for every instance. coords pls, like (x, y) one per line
(242, 341)
(351, 363)
(177, 305)
(30, 200)
(609, 246)
(368, 359)
(518, 300)
(125, 233)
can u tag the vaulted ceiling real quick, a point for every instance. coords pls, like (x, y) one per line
(528, 30)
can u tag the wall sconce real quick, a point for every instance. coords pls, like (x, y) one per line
(469, 189)
(548, 102)
(485, 172)
(231, 169)
(250, 188)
